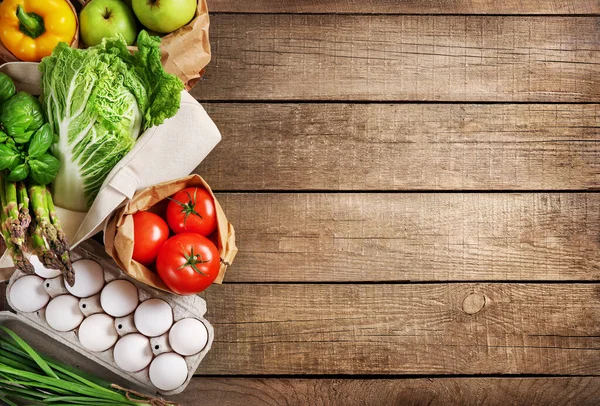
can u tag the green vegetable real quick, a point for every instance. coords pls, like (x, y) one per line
(12, 232)
(41, 141)
(7, 88)
(20, 114)
(36, 379)
(23, 200)
(9, 157)
(19, 173)
(98, 101)
(24, 156)
(23, 138)
(44, 169)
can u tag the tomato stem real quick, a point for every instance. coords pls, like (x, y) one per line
(192, 260)
(189, 207)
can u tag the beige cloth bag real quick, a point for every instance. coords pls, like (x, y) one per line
(163, 153)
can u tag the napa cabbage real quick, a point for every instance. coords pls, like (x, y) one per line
(98, 101)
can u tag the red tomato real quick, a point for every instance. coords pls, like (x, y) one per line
(149, 233)
(192, 210)
(188, 263)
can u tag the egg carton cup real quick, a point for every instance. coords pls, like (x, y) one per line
(183, 307)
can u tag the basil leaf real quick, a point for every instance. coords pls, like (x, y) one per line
(9, 157)
(21, 113)
(44, 169)
(41, 141)
(23, 138)
(7, 87)
(20, 172)
(3, 136)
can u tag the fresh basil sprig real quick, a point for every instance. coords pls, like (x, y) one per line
(44, 169)
(27, 154)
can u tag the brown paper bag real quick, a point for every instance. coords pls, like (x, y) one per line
(7, 56)
(185, 52)
(118, 234)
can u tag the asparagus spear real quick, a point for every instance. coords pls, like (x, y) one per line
(61, 246)
(19, 259)
(44, 229)
(40, 249)
(45, 255)
(11, 210)
(60, 234)
(23, 196)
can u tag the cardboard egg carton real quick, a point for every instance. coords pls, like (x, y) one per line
(183, 307)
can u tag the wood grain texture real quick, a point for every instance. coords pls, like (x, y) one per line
(399, 58)
(403, 329)
(418, 237)
(404, 146)
(573, 7)
(406, 392)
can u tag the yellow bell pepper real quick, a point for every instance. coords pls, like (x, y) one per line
(30, 29)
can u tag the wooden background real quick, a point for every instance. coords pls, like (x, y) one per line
(414, 189)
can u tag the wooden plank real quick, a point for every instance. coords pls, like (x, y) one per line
(572, 7)
(405, 146)
(400, 58)
(407, 392)
(455, 328)
(418, 237)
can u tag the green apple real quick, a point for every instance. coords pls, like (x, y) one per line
(104, 19)
(164, 16)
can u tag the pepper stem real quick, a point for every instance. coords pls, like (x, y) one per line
(30, 24)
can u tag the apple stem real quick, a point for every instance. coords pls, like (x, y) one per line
(30, 24)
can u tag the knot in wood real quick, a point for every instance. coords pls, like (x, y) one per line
(473, 303)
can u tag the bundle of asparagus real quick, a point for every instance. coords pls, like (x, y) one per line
(43, 232)
(26, 167)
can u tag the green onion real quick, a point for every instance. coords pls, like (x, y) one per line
(28, 376)
(30, 351)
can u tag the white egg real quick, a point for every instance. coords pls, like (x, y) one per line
(89, 278)
(97, 332)
(119, 298)
(188, 336)
(133, 353)
(27, 294)
(168, 371)
(153, 317)
(41, 270)
(63, 313)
